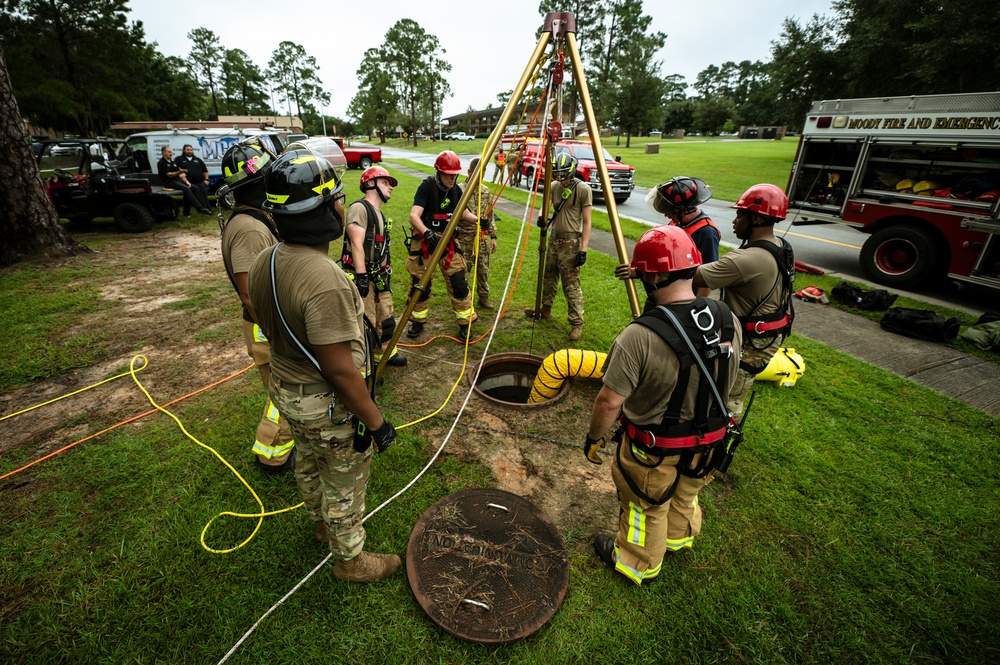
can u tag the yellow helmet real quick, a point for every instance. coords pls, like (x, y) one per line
(904, 186)
(785, 367)
(926, 187)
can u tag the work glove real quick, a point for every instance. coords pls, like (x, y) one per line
(581, 258)
(430, 239)
(541, 222)
(362, 281)
(382, 437)
(485, 224)
(623, 271)
(590, 448)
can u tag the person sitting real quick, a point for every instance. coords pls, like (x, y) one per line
(172, 175)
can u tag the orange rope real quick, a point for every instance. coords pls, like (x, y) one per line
(124, 422)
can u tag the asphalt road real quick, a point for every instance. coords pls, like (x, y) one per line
(832, 247)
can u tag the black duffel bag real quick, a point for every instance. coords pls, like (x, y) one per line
(920, 323)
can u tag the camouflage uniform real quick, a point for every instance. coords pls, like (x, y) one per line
(465, 233)
(565, 242)
(331, 476)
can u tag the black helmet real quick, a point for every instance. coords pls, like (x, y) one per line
(682, 194)
(246, 161)
(300, 181)
(563, 166)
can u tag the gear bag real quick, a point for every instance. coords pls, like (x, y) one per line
(920, 323)
(877, 300)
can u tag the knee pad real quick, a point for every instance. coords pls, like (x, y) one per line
(388, 328)
(459, 285)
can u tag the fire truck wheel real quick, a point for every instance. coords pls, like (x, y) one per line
(900, 256)
(133, 218)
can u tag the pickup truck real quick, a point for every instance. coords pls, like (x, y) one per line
(622, 176)
(361, 157)
(460, 136)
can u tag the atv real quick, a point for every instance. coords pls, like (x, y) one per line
(82, 179)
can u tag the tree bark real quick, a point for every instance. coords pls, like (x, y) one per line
(29, 224)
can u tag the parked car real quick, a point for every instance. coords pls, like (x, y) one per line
(62, 149)
(460, 136)
(419, 136)
(440, 136)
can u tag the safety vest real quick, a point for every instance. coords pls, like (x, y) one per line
(376, 246)
(778, 322)
(708, 325)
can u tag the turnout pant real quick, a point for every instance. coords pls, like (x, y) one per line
(274, 441)
(646, 531)
(331, 476)
(455, 280)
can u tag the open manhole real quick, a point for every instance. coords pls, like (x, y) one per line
(506, 379)
(487, 566)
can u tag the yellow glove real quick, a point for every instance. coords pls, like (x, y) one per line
(590, 448)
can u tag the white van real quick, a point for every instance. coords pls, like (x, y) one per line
(142, 151)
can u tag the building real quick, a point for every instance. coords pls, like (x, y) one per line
(292, 124)
(483, 122)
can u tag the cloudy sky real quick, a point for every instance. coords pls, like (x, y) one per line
(488, 43)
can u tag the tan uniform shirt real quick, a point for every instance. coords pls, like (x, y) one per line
(747, 275)
(243, 238)
(319, 303)
(643, 368)
(358, 214)
(570, 217)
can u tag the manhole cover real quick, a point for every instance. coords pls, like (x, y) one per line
(487, 566)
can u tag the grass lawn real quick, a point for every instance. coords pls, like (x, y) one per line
(858, 523)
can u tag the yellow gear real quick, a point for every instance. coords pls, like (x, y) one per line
(785, 367)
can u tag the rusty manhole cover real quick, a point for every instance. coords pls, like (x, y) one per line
(487, 566)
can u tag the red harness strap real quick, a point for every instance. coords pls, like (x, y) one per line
(647, 438)
(767, 326)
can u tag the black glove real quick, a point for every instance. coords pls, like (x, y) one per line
(590, 448)
(361, 281)
(624, 271)
(581, 258)
(382, 437)
(485, 224)
(430, 239)
(540, 224)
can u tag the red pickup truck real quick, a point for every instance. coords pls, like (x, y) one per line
(357, 158)
(622, 176)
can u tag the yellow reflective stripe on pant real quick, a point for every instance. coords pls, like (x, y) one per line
(637, 525)
(675, 544)
(465, 313)
(258, 334)
(634, 574)
(419, 315)
(264, 450)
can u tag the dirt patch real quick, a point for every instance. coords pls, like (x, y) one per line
(536, 454)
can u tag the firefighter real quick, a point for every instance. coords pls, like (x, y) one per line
(249, 231)
(314, 317)
(480, 205)
(673, 426)
(433, 205)
(756, 282)
(366, 255)
(568, 242)
(678, 199)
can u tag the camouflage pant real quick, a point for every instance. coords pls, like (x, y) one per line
(560, 264)
(754, 356)
(456, 281)
(331, 476)
(482, 265)
(274, 441)
(646, 531)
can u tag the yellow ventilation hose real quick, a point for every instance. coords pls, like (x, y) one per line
(785, 367)
(561, 365)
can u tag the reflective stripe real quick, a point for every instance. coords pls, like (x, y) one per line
(258, 334)
(272, 451)
(272, 412)
(465, 313)
(636, 525)
(634, 574)
(679, 544)
(419, 316)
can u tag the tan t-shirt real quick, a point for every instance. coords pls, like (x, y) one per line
(319, 303)
(643, 368)
(358, 214)
(570, 217)
(243, 238)
(747, 275)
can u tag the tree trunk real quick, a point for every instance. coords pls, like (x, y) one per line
(29, 224)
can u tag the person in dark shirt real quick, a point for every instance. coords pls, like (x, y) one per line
(196, 172)
(172, 175)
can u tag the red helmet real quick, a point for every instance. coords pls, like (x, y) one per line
(448, 163)
(373, 172)
(665, 249)
(685, 194)
(764, 199)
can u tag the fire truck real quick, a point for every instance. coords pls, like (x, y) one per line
(920, 175)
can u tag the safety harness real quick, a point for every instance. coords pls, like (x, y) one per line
(778, 322)
(697, 223)
(264, 219)
(376, 247)
(711, 323)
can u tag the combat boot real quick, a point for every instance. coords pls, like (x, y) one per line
(416, 327)
(545, 313)
(398, 360)
(484, 302)
(367, 567)
(287, 465)
(576, 333)
(322, 535)
(463, 332)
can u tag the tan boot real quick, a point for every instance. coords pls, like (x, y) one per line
(321, 533)
(576, 333)
(367, 567)
(546, 313)
(485, 303)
